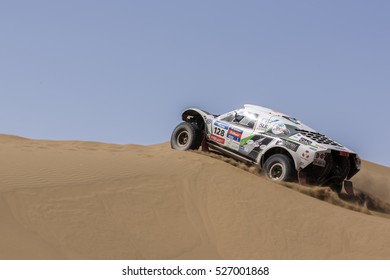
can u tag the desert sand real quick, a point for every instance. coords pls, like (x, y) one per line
(89, 200)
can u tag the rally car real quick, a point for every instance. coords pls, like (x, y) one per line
(282, 147)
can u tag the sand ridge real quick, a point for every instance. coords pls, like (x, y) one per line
(91, 200)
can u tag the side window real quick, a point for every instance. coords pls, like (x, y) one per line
(228, 118)
(245, 118)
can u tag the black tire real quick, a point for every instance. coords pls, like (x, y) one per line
(340, 170)
(186, 136)
(278, 167)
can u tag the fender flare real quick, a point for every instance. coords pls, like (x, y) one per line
(195, 115)
(275, 150)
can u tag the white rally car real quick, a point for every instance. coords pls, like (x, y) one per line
(283, 148)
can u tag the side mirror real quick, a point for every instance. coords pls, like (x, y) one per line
(235, 117)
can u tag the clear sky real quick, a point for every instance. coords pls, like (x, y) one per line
(123, 71)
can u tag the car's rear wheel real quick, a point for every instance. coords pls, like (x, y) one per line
(278, 167)
(186, 136)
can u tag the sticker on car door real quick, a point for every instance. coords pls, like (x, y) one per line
(233, 138)
(219, 132)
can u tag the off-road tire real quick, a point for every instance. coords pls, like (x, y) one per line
(186, 136)
(278, 167)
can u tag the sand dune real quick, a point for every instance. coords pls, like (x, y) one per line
(89, 200)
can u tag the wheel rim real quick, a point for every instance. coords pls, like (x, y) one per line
(182, 138)
(276, 172)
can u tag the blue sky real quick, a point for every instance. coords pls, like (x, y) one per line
(123, 71)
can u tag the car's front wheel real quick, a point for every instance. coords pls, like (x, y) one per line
(278, 167)
(186, 136)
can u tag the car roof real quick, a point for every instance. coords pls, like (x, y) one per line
(260, 109)
(280, 116)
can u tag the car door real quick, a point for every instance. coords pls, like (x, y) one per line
(228, 130)
(255, 139)
(233, 131)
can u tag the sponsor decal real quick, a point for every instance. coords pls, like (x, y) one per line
(289, 145)
(279, 128)
(208, 121)
(234, 134)
(250, 146)
(219, 131)
(305, 141)
(217, 139)
(295, 137)
(253, 144)
(306, 154)
(221, 125)
(263, 124)
(232, 144)
(244, 149)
